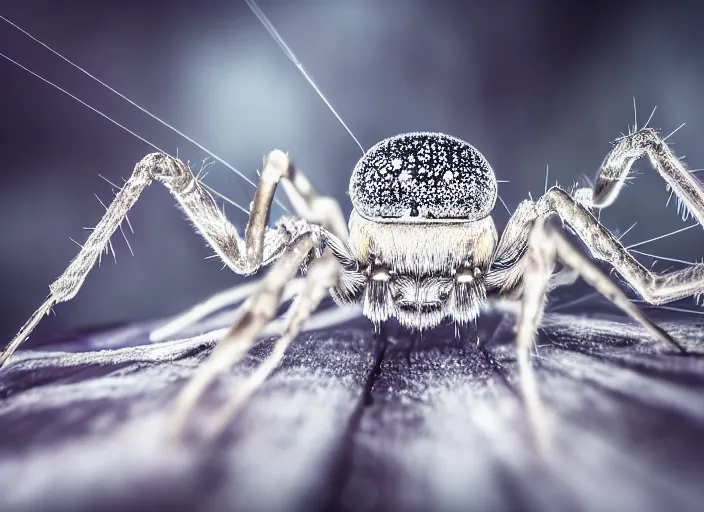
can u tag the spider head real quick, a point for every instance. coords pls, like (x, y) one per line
(421, 226)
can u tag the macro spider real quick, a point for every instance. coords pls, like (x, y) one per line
(421, 247)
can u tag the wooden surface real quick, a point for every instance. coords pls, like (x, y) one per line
(344, 425)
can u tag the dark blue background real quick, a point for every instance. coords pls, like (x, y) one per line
(529, 83)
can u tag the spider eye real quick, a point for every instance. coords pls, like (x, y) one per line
(422, 176)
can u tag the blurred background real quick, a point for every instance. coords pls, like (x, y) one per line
(529, 83)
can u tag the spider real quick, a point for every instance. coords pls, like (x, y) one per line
(420, 246)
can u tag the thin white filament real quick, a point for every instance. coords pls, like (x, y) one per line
(122, 96)
(83, 102)
(292, 57)
(119, 125)
(662, 236)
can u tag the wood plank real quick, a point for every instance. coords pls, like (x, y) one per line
(333, 431)
(82, 431)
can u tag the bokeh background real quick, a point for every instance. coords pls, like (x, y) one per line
(529, 83)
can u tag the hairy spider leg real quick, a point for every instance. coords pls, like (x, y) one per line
(530, 247)
(260, 244)
(254, 315)
(323, 274)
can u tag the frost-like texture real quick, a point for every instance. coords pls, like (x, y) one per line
(419, 176)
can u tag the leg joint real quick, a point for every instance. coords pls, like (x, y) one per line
(173, 173)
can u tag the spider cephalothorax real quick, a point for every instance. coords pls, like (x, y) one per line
(420, 246)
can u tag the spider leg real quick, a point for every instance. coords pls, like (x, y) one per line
(230, 297)
(322, 274)
(509, 265)
(316, 209)
(548, 245)
(243, 255)
(524, 260)
(309, 205)
(614, 171)
(254, 315)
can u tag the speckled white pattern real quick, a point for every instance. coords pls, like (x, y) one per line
(423, 176)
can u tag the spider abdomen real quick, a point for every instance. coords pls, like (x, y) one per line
(423, 177)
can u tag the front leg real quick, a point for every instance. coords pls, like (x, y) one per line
(524, 261)
(252, 318)
(243, 255)
(509, 263)
(548, 245)
(617, 164)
